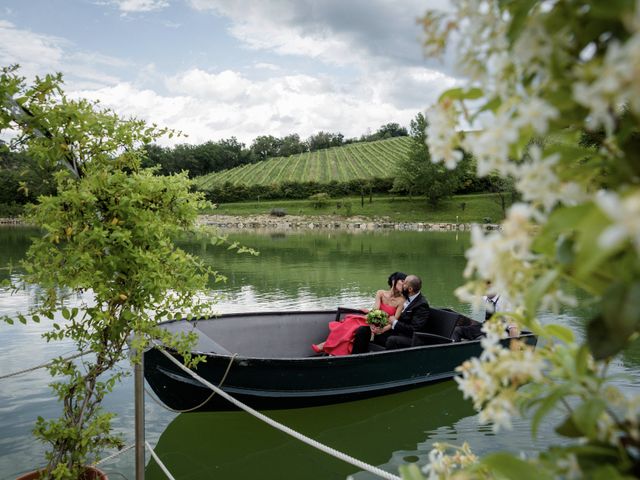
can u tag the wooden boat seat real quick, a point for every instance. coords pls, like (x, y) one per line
(439, 328)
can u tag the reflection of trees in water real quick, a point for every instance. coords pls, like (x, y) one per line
(327, 262)
(631, 356)
(235, 445)
(14, 242)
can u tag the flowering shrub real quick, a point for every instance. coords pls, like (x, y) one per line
(552, 96)
(378, 318)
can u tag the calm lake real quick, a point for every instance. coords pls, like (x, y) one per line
(295, 270)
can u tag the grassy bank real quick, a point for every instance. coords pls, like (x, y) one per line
(462, 208)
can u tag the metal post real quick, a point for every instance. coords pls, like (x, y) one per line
(139, 418)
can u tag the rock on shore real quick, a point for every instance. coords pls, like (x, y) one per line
(297, 222)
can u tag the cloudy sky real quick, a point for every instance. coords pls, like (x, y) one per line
(221, 68)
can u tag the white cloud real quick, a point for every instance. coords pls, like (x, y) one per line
(211, 106)
(39, 54)
(266, 66)
(32, 50)
(225, 86)
(359, 32)
(133, 6)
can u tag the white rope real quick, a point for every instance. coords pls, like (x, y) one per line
(44, 365)
(119, 452)
(160, 464)
(283, 428)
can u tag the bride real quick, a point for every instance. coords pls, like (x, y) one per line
(340, 339)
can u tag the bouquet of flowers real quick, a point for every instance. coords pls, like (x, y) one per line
(377, 318)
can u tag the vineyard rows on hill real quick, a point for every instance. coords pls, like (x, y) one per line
(340, 164)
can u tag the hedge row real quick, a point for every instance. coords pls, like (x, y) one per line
(228, 192)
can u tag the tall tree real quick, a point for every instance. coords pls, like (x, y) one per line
(266, 146)
(108, 230)
(291, 145)
(388, 131)
(418, 175)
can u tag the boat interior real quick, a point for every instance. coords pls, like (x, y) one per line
(288, 334)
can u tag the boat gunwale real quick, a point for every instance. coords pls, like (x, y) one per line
(340, 358)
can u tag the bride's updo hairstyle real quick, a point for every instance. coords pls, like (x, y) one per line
(394, 277)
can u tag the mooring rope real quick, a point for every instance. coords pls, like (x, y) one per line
(159, 462)
(44, 365)
(111, 457)
(175, 410)
(283, 428)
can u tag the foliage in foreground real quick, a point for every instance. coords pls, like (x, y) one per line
(108, 242)
(555, 87)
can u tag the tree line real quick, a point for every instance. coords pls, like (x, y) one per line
(22, 180)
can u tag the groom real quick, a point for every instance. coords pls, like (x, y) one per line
(399, 333)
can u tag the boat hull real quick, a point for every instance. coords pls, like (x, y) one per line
(277, 383)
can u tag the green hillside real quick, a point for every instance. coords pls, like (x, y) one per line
(341, 164)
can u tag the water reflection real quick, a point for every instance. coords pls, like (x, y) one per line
(368, 430)
(338, 265)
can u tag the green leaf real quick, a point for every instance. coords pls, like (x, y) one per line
(462, 94)
(9, 320)
(505, 464)
(66, 314)
(602, 342)
(565, 254)
(558, 331)
(621, 308)
(568, 429)
(35, 318)
(610, 331)
(519, 13)
(537, 291)
(546, 406)
(22, 319)
(586, 415)
(560, 222)
(582, 360)
(611, 10)
(589, 253)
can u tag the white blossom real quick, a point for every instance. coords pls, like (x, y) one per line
(625, 215)
(491, 145)
(604, 88)
(537, 179)
(533, 48)
(536, 113)
(442, 138)
(570, 467)
(498, 412)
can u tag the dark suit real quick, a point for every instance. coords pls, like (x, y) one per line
(413, 318)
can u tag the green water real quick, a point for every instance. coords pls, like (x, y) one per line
(306, 270)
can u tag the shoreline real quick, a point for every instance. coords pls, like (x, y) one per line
(301, 222)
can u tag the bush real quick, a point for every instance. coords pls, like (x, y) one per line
(278, 212)
(229, 192)
(319, 200)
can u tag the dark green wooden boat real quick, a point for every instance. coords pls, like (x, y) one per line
(274, 366)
